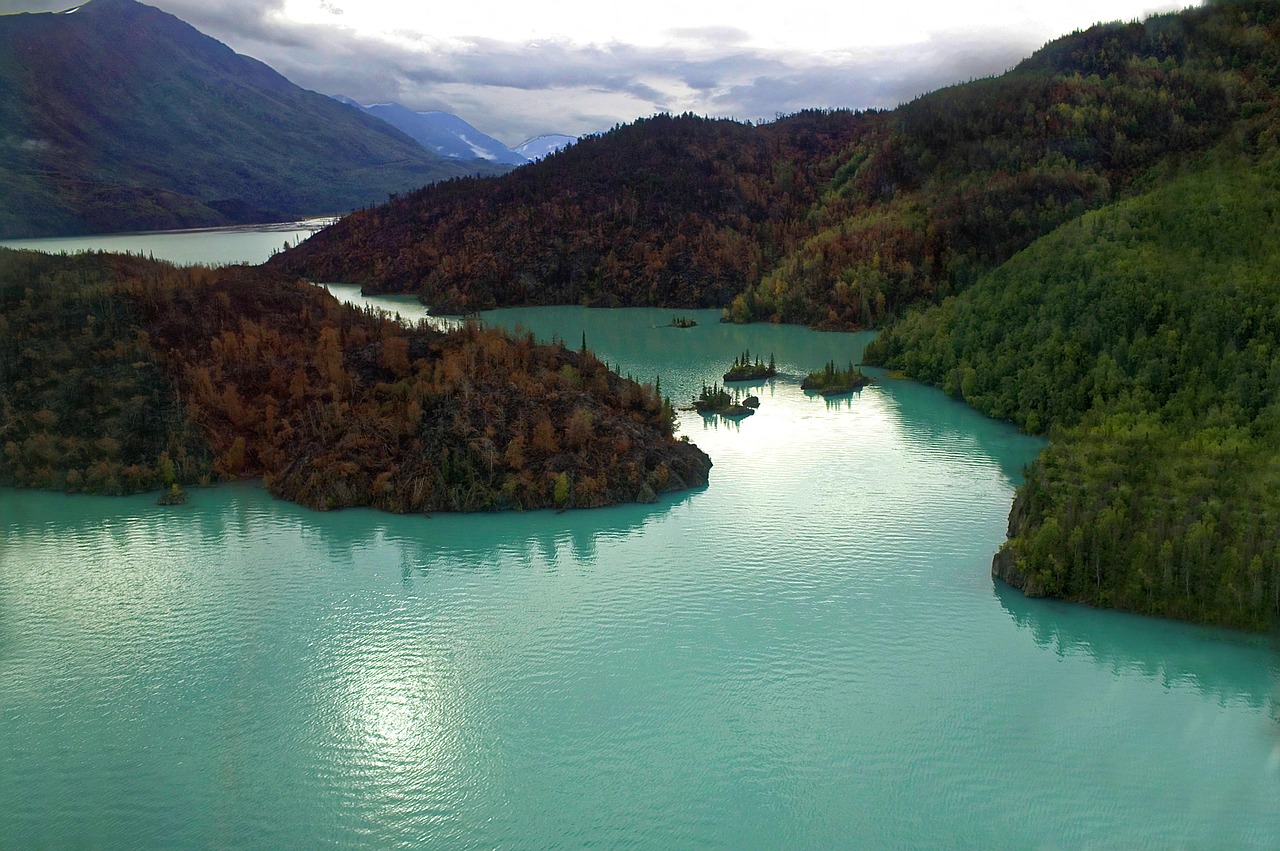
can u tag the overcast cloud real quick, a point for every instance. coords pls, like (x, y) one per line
(515, 83)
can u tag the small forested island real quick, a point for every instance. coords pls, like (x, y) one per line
(682, 322)
(119, 374)
(831, 381)
(717, 400)
(745, 369)
(173, 496)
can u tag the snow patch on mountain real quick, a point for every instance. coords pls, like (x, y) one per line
(544, 145)
(450, 136)
(441, 133)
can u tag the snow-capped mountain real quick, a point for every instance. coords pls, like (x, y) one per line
(449, 136)
(543, 146)
(442, 133)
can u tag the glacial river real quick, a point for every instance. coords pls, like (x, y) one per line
(808, 652)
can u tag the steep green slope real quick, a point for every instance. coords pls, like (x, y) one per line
(963, 178)
(122, 117)
(1146, 338)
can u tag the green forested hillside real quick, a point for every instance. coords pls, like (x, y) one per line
(1145, 338)
(122, 117)
(962, 178)
(119, 374)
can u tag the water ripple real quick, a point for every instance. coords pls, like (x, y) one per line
(809, 652)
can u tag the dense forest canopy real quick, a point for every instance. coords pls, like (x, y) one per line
(670, 210)
(963, 178)
(1146, 338)
(119, 374)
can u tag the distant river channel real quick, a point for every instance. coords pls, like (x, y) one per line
(808, 652)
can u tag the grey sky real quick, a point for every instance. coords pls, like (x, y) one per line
(576, 67)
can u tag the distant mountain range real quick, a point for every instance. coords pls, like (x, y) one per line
(122, 117)
(449, 136)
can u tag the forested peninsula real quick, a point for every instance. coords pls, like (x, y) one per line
(1145, 338)
(119, 374)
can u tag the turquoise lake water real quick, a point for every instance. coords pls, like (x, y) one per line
(808, 652)
(210, 246)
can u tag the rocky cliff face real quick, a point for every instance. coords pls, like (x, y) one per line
(1005, 565)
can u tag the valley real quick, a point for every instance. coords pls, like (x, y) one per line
(897, 474)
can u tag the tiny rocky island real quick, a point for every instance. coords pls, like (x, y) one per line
(717, 400)
(682, 322)
(832, 381)
(745, 369)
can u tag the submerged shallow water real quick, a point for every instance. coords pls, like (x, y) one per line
(809, 651)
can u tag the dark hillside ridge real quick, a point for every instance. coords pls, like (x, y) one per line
(835, 220)
(671, 210)
(119, 374)
(119, 116)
